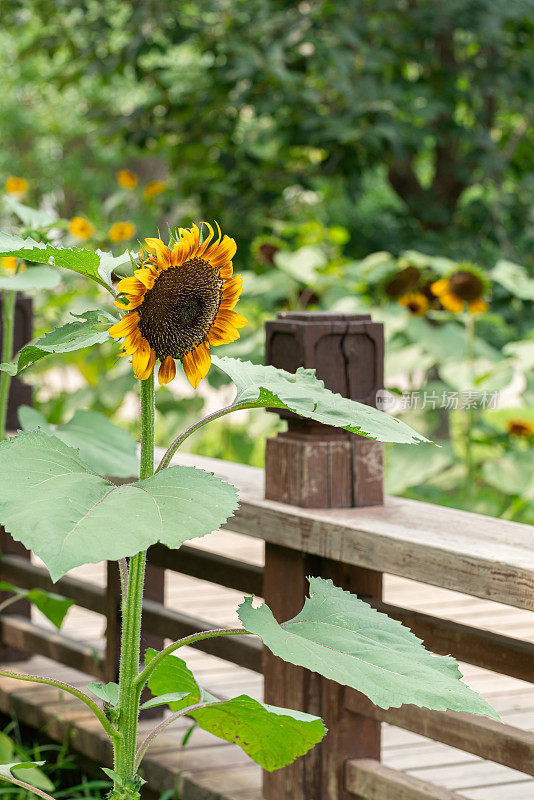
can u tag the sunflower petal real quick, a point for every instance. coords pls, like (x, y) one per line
(230, 318)
(125, 326)
(146, 276)
(203, 359)
(203, 247)
(439, 287)
(451, 302)
(132, 342)
(167, 371)
(477, 306)
(141, 360)
(163, 254)
(191, 371)
(131, 285)
(133, 302)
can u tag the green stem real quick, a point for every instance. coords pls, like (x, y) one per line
(187, 640)
(66, 687)
(129, 692)
(8, 326)
(222, 412)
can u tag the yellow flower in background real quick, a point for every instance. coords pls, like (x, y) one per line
(121, 231)
(180, 303)
(127, 179)
(81, 228)
(15, 185)
(465, 287)
(416, 303)
(520, 427)
(9, 263)
(153, 188)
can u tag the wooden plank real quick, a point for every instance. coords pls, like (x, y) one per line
(17, 550)
(484, 737)
(22, 634)
(486, 649)
(470, 553)
(369, 778)
(242, 650)
(206, 566)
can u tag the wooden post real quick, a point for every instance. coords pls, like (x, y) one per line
(315, 466)
(19, 394)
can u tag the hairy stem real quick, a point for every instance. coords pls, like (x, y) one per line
(8, 326)
(222, 412)
(187, 640)
(129, 693)
(66, 687)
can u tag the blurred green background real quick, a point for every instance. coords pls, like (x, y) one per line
(359, 152)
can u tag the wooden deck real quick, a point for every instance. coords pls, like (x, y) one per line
(207, 769)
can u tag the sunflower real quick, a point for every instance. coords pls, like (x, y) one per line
(153, 188)
(81, 228)
(466, 285)
(15, 185)
(416, 303)
(180, 302)
(127, 179)
(520, 427)
(121, 231)
(403, 281)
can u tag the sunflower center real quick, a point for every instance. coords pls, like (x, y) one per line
(466, 286)
(177, 313)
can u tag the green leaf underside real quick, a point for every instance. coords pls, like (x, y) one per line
(108, 692)
(95, 265)
(32, 279)
(35, 218)
(272, 737)
(53, 606)
(28, 772)
(347, 641)
(304, 394)
(165, 700)
(69, 516)
(104, 447)
(86, 331)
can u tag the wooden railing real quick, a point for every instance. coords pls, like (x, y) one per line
(354, 545)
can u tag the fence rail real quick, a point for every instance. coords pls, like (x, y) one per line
(478, 556)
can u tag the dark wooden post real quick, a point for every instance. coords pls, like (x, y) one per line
(316, 466)
(19, 394)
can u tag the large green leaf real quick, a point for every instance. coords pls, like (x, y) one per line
(90, 328)
(271, 736)
(106, 448)
(53, 606)
(57, 507)
(95, 265)
(33, 279)
(34, 218)
(347, 641)
(514, 278)
(28, 772)
(305, 395)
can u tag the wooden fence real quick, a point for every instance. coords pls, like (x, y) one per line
(336, 527)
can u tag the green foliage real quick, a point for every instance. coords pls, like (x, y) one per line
(34, 279)
(90, 263)
(27, 771)
(305, 395)
(108, 692)
(53, 606)
(66, 339)
(106, 448)
(272, 737)
(70, 516)
(344, 639)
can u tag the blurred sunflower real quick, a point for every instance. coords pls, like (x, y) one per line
(402, 282)
(9, 263)
(81, 228)
(15, 185)
(465, 286)
(183, 300)
(520, 427)
(121, 231)
(127, 179)
(416, 303)
(153, 188)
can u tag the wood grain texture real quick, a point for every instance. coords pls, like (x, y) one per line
(367, 778)
(484, 737)
(480, 556)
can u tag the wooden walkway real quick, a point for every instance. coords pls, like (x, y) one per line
(207, 769)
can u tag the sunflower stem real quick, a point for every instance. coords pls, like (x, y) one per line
(222, 412)
(129, 692)
(8, 326)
